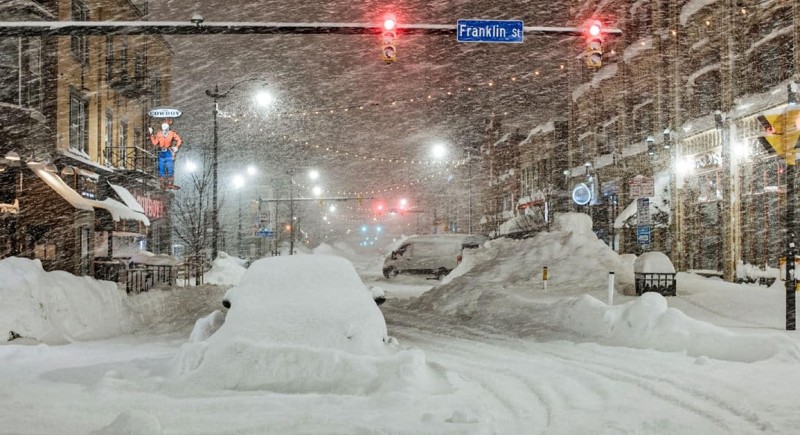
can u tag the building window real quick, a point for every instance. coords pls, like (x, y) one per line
(109, 58)
(32, 84)
(9, 70)
(707, 93)
(107, 146)
(77, 120)
(79, 45)
(155, 89)
(123, 61)
(138, 68)
(123, 143)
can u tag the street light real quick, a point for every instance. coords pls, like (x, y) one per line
(216, 95)
(238, 183)
(439, 151)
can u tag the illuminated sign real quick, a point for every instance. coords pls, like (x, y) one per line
(153, 208)
(165, 112)
(581, 194)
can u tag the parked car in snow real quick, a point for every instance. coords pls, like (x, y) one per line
(435, 254)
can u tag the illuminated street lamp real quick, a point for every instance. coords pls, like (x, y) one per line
(217, 95)
(439, 151)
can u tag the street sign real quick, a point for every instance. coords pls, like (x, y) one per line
(165, 112)
(503, 31)
(641, 187)
(266, 234)
(643, 235)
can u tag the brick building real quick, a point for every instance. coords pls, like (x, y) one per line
(76, 166)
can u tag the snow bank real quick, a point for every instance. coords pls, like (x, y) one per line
(300, 324)
(499, 288)
(58, 307)
(653, 262)
(206, 326)
(225, 270)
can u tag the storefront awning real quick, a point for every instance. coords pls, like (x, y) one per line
(127, 198)
(59, 186)
(118, 210)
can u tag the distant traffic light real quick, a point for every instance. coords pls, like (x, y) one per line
(388, 47)
(594, 44)
(781, 132)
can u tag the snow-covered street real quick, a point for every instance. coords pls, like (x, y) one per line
(523, 360)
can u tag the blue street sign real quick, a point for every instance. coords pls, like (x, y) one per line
(643, 235)
(265, 233)
(506, 31)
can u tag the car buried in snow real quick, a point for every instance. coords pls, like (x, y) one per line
(435, 254)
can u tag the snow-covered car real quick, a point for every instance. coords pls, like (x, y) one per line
(332, 303)
(435, 254)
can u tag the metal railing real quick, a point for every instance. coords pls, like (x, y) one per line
(132, 158)
(663, 283)
(142, 279)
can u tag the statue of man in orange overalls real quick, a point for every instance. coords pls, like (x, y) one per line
(168, 143)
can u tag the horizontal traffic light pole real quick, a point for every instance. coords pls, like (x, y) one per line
(336, 198)
(97, 28)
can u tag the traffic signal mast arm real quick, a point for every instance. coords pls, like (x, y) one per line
(67, 28)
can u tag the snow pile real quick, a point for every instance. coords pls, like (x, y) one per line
(576, 259)
(225, 270)
(653, 262)
(300, 324)
(207, 326)
(58, 307)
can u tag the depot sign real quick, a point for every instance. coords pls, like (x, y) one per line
(165, 112)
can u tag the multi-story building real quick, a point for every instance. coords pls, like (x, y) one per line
(78, 181)
(675, 104)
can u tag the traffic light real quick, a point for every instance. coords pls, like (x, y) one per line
(389, 48)
(781, 132)
(594, 44)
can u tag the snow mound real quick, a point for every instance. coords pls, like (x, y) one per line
(132, 423)
(300, 324)
(576, 259)
(206, 326)
(225, 270)
(58, 307)
(653, 262)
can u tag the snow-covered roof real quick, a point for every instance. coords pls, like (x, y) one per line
(57, 184)
(691, 8)
(83, 157)
(151, 259)
(127, 198)
(15, 5)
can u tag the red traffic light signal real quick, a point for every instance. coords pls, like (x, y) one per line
(389, 48)
(594, 44)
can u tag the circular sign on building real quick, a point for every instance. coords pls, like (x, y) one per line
(165, 113)
(581, 194)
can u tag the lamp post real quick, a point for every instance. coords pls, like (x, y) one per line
(313, 174)
(238, 183)
(216, 95)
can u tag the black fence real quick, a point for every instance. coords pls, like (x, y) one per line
(142, 279)
(663, 283)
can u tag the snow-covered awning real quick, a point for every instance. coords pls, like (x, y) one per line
(59, 186)
(127, 198)
(120, 211)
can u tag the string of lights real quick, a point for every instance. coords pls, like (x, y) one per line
(373, 191)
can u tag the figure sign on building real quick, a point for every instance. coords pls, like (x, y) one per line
(168, 143)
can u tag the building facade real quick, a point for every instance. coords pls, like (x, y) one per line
(674, 108)
(78, 184)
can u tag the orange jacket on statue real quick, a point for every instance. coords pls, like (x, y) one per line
(165, 142)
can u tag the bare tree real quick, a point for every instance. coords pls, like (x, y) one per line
(192, 216)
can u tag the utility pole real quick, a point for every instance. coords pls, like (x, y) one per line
(214, 166)
(469, 175)
(291, 212)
